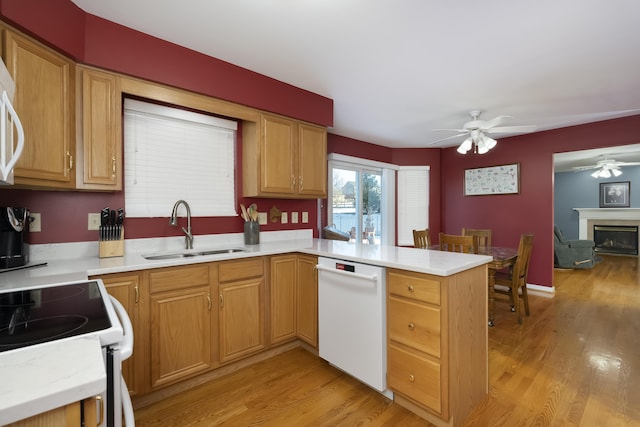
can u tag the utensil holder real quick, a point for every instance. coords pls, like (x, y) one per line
(112, 248)
(251, 233)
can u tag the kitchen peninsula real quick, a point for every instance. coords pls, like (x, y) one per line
(438, 364)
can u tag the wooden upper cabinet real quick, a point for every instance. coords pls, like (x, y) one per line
(44, 101)
(99, 143)
(284, 158)
(312, 161)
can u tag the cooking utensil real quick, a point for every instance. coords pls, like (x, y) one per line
(253, 212)
(245, 215)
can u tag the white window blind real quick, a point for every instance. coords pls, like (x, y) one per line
(413, 202)
(172, 154)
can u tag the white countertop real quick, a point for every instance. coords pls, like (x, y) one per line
(46, 376)
(60, 269)
(45, 364)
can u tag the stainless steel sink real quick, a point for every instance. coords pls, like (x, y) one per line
(176, 255)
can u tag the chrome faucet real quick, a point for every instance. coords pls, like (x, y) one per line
(188, 238)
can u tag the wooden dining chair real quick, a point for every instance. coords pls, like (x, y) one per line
(515, 281)
(421, 239)
(484, 235)
(455, 243)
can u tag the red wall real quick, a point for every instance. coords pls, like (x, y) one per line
(532, 209)
(94, 41)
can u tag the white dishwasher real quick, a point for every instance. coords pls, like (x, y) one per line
(352, 320)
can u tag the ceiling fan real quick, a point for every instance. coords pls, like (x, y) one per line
(476, 129)
(606, 168)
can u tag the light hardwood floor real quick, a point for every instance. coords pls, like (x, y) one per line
(574, 362)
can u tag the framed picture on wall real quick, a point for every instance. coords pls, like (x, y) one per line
(614, 194)
(502, 179)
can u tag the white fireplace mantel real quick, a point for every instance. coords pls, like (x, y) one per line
(604, 214)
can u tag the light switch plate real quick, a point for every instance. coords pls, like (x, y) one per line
(34, 223)
(93, 221)
(294, 217)
(305, 217)
(262, 218)
(284, 218)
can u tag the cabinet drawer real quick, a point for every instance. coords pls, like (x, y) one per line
(415, 377)
(171, 278)
(413, 285)
(240, 269)
(415, 325)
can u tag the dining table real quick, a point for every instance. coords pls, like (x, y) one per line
(503, 258)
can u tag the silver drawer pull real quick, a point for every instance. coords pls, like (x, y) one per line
(410, 288)
(411, 378)
(411, 326)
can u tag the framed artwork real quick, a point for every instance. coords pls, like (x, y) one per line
(614, 194)
(503, 179)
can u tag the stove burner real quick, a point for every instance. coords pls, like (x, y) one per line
(26, 332)
(34, 316)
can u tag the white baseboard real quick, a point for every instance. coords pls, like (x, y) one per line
(542, 291)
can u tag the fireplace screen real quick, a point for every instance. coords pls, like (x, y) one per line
(616, 239)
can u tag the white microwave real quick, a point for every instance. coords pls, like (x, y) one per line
(11, 132)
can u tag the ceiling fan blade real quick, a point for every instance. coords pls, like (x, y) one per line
(494, 122)
(512, 129)
(452, 130)
(627, 164)
(449, 137)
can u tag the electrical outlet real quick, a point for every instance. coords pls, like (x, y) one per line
(284, 218)
(34, 223)
(305, 217)
(294, 217)
(262, 218)
(94, 221)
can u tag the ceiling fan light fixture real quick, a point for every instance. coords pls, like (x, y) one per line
(465, 146)
(616, 172)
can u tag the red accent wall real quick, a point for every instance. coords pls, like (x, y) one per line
(95, 41)
(532, 209)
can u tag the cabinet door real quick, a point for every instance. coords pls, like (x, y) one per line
(81, 413)
(99, 128)
(44, 101)
(277, 151)
(180, 334)
(307, 304)
(312, 160)
(241, 318)
(283, 298)
(126, 289)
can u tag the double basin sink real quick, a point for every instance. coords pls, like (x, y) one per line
(177, 255)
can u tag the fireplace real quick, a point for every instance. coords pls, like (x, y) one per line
(616, 239)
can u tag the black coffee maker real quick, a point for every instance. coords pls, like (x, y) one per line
(13, 222)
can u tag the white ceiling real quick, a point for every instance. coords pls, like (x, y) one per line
(398, 69)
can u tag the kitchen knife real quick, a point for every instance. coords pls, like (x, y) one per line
(112, 224)
(119, 222)
(104, 221)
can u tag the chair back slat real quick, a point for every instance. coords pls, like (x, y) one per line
(421, 239)
(483, 234)
(455, 243)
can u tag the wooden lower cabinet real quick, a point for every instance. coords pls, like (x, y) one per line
(437, 360)
(283, 298)
(191, 319)
(294, 298)
(180, 315)
(307, 299)
(126, 287)
(241, 308)
(76, 414)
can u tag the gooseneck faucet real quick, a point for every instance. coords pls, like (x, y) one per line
(188, 238)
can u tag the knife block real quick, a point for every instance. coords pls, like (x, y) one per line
(111, 248)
